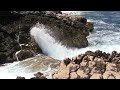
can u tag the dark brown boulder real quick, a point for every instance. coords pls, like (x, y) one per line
(78, 59)
(38, 75)
(19, 77)
(98, 53)
(67, 61)
(105, 55)
(90, 53)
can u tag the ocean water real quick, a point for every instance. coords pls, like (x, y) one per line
(105, 37)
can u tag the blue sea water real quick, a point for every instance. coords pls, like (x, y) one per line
(105, 37)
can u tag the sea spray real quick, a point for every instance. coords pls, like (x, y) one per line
(106, 41)
(105, 37)
(48, 44)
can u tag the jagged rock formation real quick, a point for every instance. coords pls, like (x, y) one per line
(16, 42)
(71, 31)
(91, 65)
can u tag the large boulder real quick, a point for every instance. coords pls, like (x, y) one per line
(38, 75)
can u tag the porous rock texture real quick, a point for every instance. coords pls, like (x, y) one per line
(92, 65)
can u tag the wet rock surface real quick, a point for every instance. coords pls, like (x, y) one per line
(38, 64)
(95, 68)
(15, 32)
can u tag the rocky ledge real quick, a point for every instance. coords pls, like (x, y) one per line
(16, 42)
(91, 65)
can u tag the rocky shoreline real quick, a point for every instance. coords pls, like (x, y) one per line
(91, 65)
(16, 44)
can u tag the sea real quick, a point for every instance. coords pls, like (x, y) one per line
(105, 37)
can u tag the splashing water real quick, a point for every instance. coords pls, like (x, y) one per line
(105, 37)
(56, 50)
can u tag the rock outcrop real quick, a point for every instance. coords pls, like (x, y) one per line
(70, 30)
(14, 35)
(16, 42)
(37, 75)
(92, 65)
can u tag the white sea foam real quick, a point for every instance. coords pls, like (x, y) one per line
(103, 39)
(99, 40)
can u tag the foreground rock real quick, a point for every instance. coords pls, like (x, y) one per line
(37, 75)
(16, 41)
(92, 65)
